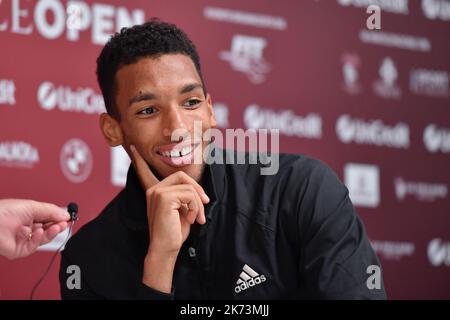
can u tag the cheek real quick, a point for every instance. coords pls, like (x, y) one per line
(191, 120)
(205, 117)
(141, 133)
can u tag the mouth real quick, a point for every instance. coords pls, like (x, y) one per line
(177, 155)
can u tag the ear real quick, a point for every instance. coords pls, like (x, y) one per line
(111, 130)
(211, 111)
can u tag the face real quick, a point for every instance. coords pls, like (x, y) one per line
(155, 97)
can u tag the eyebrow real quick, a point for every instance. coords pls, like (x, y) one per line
(144, 96)
(190, 87)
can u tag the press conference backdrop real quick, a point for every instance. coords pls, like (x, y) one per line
(372, 104)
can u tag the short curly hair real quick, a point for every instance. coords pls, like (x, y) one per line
(151, 39)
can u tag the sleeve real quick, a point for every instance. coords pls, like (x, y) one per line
(147, 293)
(73, 290)
(335, 253)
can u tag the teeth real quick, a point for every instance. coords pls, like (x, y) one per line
(186, 150)
(176, 153)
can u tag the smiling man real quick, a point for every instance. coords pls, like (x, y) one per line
(184, 229)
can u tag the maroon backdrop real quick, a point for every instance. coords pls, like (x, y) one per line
(373, 104)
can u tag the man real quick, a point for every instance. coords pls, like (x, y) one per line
(26, 224)
(187, 230)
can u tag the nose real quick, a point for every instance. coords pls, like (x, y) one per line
(173, 119)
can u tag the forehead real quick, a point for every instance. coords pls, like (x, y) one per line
(159, 73)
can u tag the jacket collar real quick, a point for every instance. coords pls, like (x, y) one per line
(133, 206)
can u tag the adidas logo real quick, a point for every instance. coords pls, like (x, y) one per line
(247, 279)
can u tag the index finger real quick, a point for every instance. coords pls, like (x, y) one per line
(181, 177)
(144, 173)
(47, 212)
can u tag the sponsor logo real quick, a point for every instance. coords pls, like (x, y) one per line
(436, 139)
(7, 92)
(18, 154)
(386, 86)
(221, 113)
(248, 279)
(289, 124)
(395, 40)
(245, 18)
(71, 18)
(436, 9)
(120, 162)
(393, 6)
(246, 56)
(372, 132)
(423, 191)
(429, 83)
(439, 253)
(350, 72)
(393, 250)
(66, 99)
(363, 183)
(76, 160)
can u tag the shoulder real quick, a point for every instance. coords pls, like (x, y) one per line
(96, 235)
(298, 172)
(311, 186)
(296, 184)
(308, 177)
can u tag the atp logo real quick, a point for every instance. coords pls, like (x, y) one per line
(246, 56)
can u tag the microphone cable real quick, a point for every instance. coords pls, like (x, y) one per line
(73, 210)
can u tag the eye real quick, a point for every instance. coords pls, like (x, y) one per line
(192, 103)
(147, 111)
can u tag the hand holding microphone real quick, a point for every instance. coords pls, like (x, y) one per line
(26, 224)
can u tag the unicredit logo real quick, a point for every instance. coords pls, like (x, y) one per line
(373, 132)
(436, 139)
(286, 121)
(64, 98)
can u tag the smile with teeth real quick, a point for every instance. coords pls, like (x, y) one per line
(177, 153)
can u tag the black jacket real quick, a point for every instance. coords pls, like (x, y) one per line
(290, 235)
